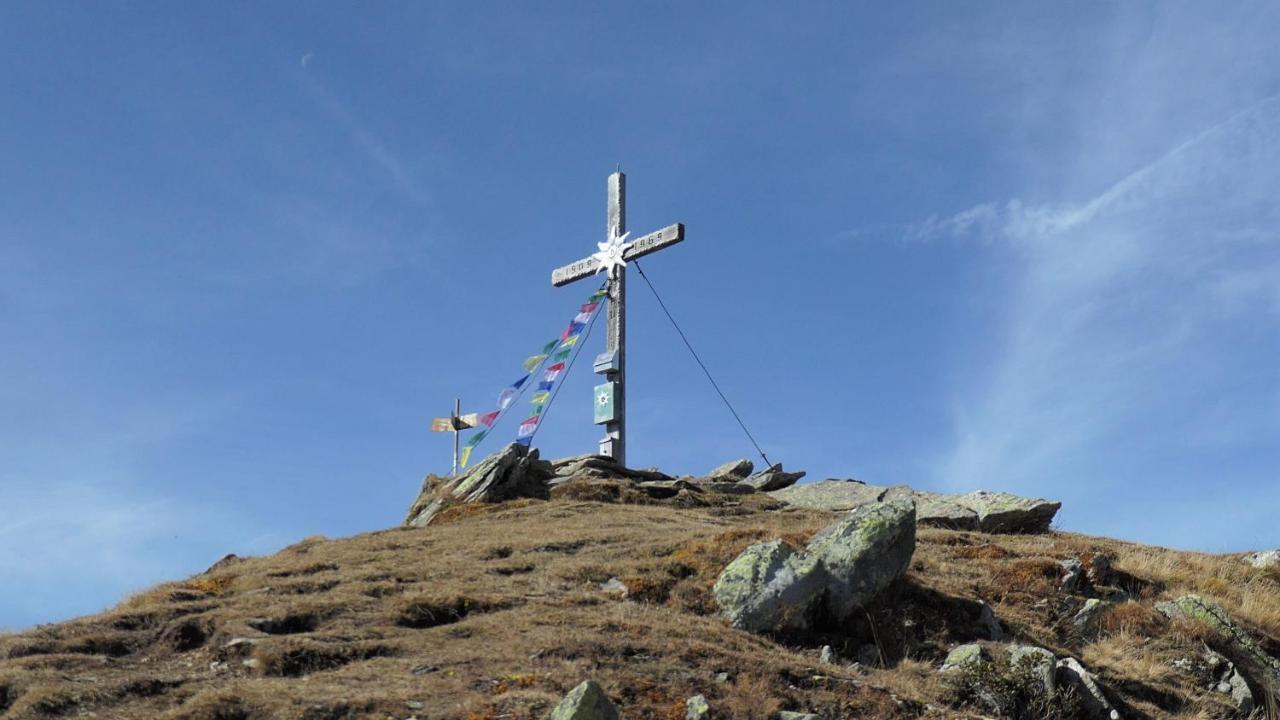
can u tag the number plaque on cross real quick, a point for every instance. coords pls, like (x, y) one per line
(612, 259)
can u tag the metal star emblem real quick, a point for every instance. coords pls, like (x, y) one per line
(610, 255)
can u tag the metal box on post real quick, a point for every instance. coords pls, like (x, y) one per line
(605, 410)
(606, 363)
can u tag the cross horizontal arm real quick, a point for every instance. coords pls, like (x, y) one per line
(650, 243)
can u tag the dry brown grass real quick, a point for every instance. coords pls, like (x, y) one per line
(497, 611)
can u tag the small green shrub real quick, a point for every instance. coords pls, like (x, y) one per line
(1011, 690)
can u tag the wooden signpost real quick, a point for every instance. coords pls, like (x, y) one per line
(455, 424)
(615, 252)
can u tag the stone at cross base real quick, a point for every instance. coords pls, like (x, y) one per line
(513, 472)
(517, 471)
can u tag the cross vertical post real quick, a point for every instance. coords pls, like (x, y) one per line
(614, 443)
(614, 254)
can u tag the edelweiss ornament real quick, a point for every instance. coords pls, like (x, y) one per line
(610, 255)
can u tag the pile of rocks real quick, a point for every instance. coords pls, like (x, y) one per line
(516, 471)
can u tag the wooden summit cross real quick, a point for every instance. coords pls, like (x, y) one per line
(615, 252)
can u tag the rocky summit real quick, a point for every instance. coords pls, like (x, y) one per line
(578, 589)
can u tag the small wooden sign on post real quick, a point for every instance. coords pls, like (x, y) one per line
(455, 424)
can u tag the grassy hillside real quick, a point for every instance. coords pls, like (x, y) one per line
(496, 611)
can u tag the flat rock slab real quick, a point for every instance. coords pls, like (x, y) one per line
(994, 512)
(773, 478)
(1000, 512)
(837, 495)
(734, 469)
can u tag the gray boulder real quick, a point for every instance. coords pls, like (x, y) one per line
(1092, 700)
(1040, 661)
(864, 553)
(736, 469)
(1000, 512)
(1241, 695)
(830, 495)
(1089, 613)
(769, 587)
(513, 472)
(988, 622)
(588, 701)
(773, 478)
(1265, 559)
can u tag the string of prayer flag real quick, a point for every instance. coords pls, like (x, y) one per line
(561, 347)
(552, 373)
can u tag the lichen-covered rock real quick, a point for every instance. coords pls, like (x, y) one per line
(588, 701)
(1039, 661)
(1089, 613)
(736, 469)
(697, 708)
(769, 587)
(986, 511)
(773, 478)
(513, 472)
(935, 509)
(1092, 700)
(964, 656)
(1000, 512)
(865, 552)
(1231, 639)
(830, 495)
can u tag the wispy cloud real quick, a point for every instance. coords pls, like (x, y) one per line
(1126, 328)
(396, 172)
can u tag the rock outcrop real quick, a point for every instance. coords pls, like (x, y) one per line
(995, 512)
(602, 467)
(773, 587)
(1231, 639)
(513, 472)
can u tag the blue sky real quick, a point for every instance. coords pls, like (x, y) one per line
(247, 254)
